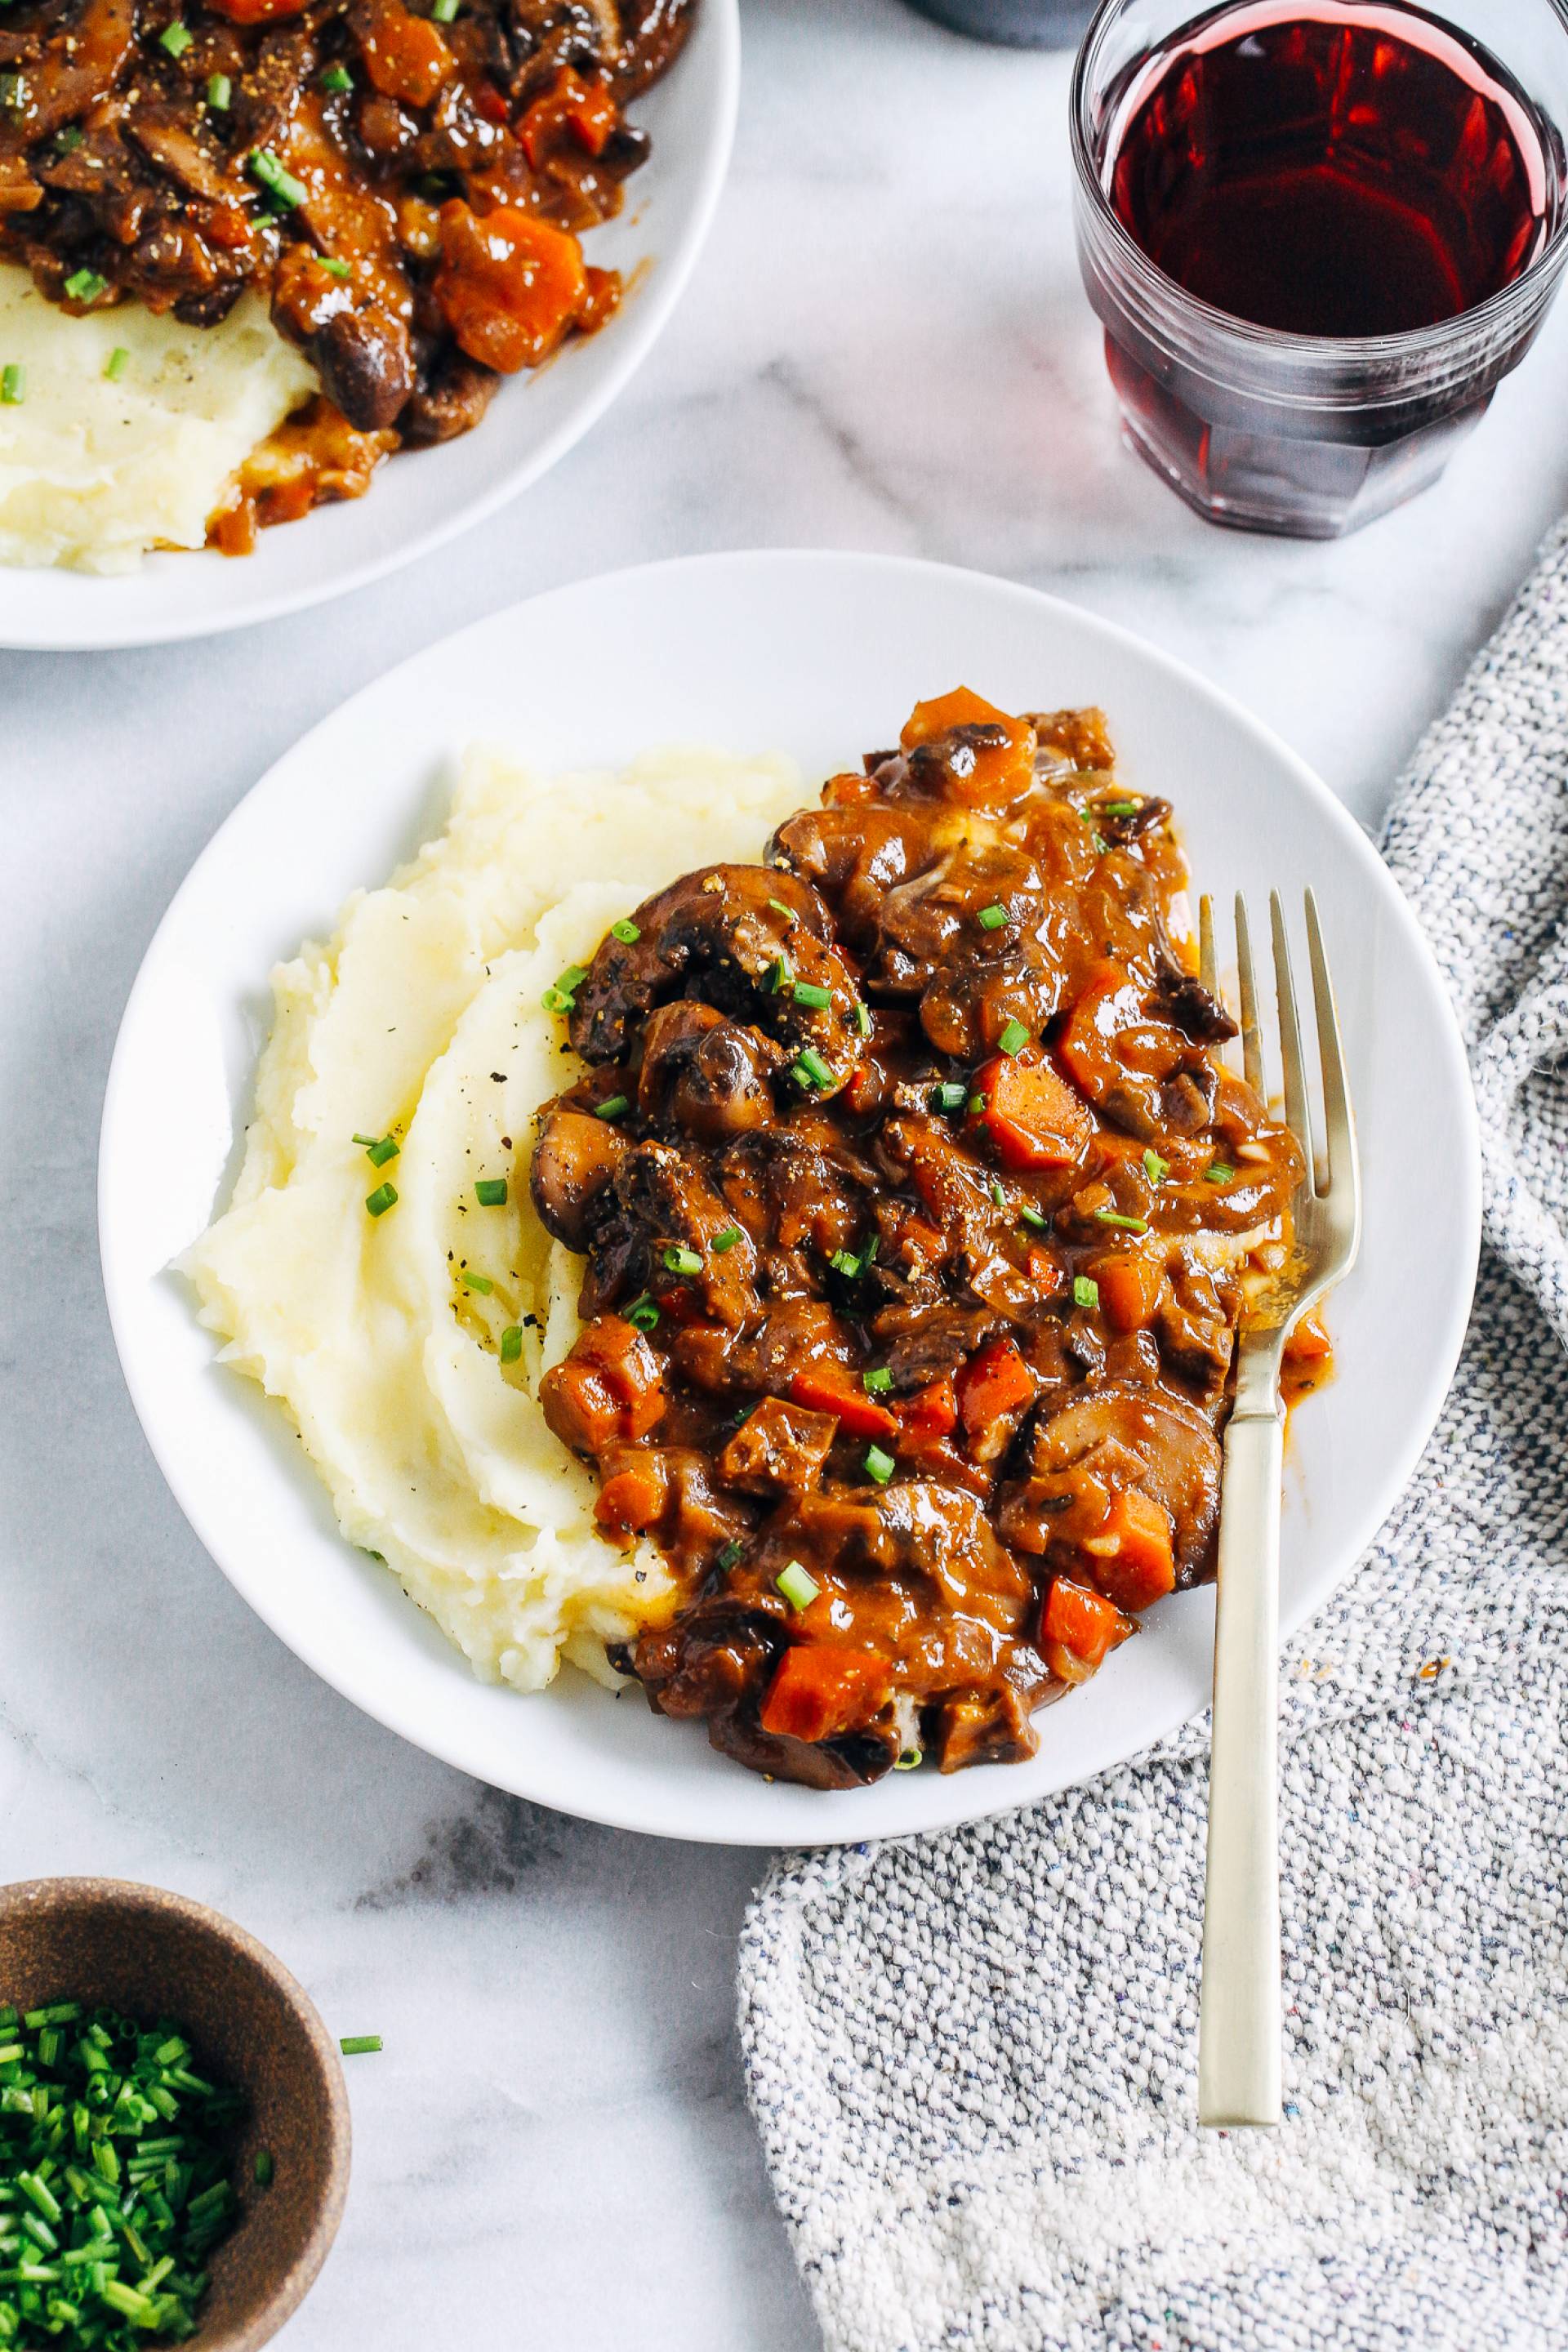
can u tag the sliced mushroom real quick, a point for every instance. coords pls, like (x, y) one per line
(711, 1076)
(743, 939)
(573, 1166)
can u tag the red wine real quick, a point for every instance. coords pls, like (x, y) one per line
(1332, 169)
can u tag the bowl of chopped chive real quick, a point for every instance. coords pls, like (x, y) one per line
(174, 2125)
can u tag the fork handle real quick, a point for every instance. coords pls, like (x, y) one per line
(1240, 2027)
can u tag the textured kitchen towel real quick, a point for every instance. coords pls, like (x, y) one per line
(973, 2057)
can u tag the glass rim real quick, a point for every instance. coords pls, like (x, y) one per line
(1504, 310)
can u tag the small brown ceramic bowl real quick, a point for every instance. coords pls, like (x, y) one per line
(155, 1954)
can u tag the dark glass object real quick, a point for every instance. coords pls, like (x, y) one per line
(1020, 24)
(1318, 237)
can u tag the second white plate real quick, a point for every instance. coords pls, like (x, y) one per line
(429, 496)
(819, 655)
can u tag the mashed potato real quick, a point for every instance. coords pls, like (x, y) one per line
(422, 1020)
(94, 472)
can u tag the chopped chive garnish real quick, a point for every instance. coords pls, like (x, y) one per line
(728, 1556)
(877, 1380)
(1155, 1168)
(511, 1343)
(910, 1760)
(555, 1000)
(264, 2168)
(14, 385)
(1219, 1172)
(220, 89)
(1085, 1291)
(1102, 846)
(725, 1241)
(782, 976)
(176, 39)
(880, 1465)
(385, 1148)
(811, 1070)
(1120, 808)
(364, 1140)
(13, 91)
(951, 1095)
(862, 1018)
(798, 1588)
(993, 917)
(1013, 1038)
(845, 1262)
(976, 1102)
(333, 266)
(443, 10)
(86, 285)
(383, 1198)
(70, 138)
(336, 77)
(491, 1191)
(480, 1282)
(87, 2191)
(1123, 1224)
(807, 991)
(612, 1106)
(627, 933)
(1031, 1216)
(115, 366)
(779, 909)
(276, 178)
(997, 1195)
(359, 2045)
(683, 1261)
(642, 1313)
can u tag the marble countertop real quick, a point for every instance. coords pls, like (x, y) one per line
(885, 346)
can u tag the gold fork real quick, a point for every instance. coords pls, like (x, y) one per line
(1240, 2028)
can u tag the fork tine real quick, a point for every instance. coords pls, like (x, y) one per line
(1251, 1035)
(1208, 962)
(1298, 1115)
(1338, 1128)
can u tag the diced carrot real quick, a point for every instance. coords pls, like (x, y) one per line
(579, 1407)
(994, 1386)
(831, 1389)
(632, 1500)
(601, 299)
(1132, 1552)
(1130, 1283)
(1033, 1116)
(930, 1415)
(617, 1353)
(510, 285)
(822, 1689)
(585, 110)
(1082, 1621)
(406, 56)
(999, 771)
(848, 790)
(1103, 1006)
(1309, 1342)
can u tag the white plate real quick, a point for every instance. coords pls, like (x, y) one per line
(429, 495)
(821, 656)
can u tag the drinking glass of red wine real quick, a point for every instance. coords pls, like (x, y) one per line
(1319, 233)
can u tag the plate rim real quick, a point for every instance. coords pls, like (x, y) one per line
(642, 324)
(949, 1809)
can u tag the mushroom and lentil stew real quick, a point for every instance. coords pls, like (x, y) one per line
(920, 1209)
(408, 184)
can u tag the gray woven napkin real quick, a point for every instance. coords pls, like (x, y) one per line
(972, 2057)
